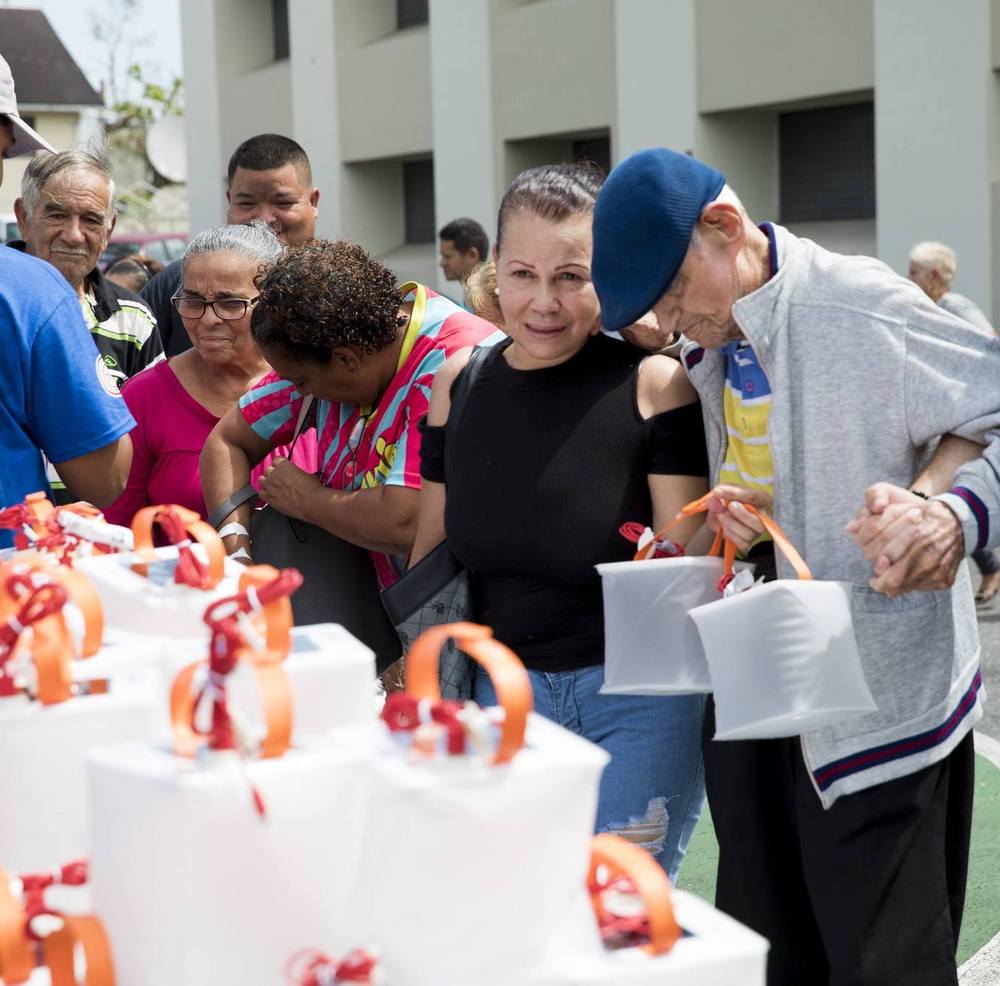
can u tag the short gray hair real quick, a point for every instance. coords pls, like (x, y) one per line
(255, 242)
(46, 165)
(932, 255)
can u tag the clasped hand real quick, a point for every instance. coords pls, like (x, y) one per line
(288, 488)
(911, 543)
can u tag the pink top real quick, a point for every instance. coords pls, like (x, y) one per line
(171, 428)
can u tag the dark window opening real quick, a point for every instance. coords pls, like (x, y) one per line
(279, 19)
(30, 120)
(411, 13)
(596, 149)
(418, 201)
(827, 161)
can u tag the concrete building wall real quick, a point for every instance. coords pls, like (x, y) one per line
(776, 51)
(490, 87)
(936, 134)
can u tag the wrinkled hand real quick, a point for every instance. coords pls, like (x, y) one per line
(646, 334)
(726, 512)
(288, 488)
(911, 543)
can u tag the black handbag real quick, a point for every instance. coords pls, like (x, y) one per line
(436, 589)
(339, 578)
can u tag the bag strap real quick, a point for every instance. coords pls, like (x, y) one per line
(460, 391)
(247, 493)
(510, 679)
(622, 858)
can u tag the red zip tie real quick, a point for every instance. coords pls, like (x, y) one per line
(190, 571)
(286, 582)
(313, 968)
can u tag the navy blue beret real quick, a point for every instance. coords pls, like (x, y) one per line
(642, 226)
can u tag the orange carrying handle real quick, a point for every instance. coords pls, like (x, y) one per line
(17, 956)
(770, 525)
(510, 679)
(197, 529)
(623, 858)
(51, 642)
(275, 623)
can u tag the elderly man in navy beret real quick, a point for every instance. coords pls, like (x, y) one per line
(823, 378)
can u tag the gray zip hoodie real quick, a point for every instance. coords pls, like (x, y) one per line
(865, 371)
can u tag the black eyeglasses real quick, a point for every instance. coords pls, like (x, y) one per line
(229, 309)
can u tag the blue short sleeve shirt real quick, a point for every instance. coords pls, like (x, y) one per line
(54, 394)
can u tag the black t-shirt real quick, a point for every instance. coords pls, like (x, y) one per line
(546, 466)
(157, 293)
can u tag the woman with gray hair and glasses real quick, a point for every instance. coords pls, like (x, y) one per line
(178, 402)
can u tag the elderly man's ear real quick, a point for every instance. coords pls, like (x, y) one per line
(722, 220)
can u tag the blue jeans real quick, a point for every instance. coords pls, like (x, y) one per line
(653, 789)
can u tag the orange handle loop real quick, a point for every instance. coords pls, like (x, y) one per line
(51, 642)
(719, 545)
(59, 950)
(623, 858)
(510, 679)
(272, 679)
(275, 619)
(197, 529)
(781, 541)
(17, 958)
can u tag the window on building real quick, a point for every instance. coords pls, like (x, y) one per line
(596, 149)
(827, 161)
(279, 19)
(418, 201)
(410, 13)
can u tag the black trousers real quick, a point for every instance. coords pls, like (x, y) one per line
(870, 892)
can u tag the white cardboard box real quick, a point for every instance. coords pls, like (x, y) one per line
(196, 889)
(43, 791)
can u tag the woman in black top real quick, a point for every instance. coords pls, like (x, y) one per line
(566, 435)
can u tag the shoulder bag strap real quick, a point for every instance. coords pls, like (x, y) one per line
(248, 493)
(460, 391)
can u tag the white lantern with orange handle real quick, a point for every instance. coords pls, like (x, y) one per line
(163, 591)
(216, 858)
(782, 655)
(48, 936)
(53, 711)
(652, 934)
(651, 647)
(488, 839)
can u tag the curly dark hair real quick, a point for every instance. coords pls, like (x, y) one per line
(322, 295)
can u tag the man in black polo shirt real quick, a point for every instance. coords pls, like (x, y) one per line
(268, 178)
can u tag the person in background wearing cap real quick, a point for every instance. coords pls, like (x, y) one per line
(49, 369)
(821, 375)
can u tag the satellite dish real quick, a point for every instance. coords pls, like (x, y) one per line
(166, 148)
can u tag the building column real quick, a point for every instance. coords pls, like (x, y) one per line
(655, 67)
(202, 119)
(315, 106)
(936, 113)
(465, 155)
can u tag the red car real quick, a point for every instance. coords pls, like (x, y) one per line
(164, 247)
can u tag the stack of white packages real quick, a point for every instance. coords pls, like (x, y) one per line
(214, 869)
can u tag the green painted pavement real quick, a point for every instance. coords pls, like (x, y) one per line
(982, 902)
